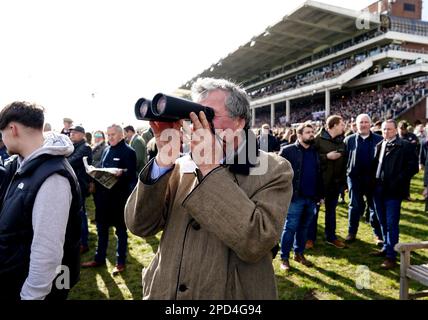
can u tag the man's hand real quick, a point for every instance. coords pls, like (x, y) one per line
(333, 155)
(206, 151)
(425, 192)
(91, 187)
(168, 142)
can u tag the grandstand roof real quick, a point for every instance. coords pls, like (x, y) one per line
(310, 28)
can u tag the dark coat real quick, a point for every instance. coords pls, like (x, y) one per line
(423, 152)
(65, 132)
(351, 143)
(333, 171)
(294, 154)
(414, 141)
(97, 152)
(81, 149)
(3, 154)
(426, 172)
(110, 203)
(268, 143)
(399, 166)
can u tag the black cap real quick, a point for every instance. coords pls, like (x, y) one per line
(77, 128)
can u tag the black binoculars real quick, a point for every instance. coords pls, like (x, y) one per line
(165, 108)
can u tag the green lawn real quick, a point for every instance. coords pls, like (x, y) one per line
(333, 276)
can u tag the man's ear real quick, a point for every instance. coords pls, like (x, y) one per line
(14, 129)
(240, 123)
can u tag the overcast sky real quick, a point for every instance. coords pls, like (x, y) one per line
(92, 59)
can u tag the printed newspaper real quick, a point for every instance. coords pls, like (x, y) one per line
(106, 176)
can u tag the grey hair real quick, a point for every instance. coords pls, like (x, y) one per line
(237, 101)
(363, 115)
(116, 127)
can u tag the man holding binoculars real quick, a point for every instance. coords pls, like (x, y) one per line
(219, 215)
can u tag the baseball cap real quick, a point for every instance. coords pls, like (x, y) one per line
(77, 128)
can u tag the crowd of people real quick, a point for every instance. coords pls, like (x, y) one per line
(370, 162)
(319, 74)
(330, 71)
(387, 102)
(324, 53)
(262, 191)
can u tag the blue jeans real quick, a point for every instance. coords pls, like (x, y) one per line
(330, 204)
(357, 191)
(296, 225)
(330, 216)
(84, 227)
(313, 224)
(388, 213)
(122, 243)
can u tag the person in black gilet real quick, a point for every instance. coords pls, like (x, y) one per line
(39, 209)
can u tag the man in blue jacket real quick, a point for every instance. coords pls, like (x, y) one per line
(307, 189)
(360, 149)
(110, 203)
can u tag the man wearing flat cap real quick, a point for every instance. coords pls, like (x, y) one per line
(68, 123)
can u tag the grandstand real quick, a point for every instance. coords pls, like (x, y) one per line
(323, 59)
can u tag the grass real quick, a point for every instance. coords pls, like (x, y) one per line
(334, 276)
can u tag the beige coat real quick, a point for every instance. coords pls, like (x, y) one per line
(217, 234)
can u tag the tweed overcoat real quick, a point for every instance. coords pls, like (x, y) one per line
(218, 231)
